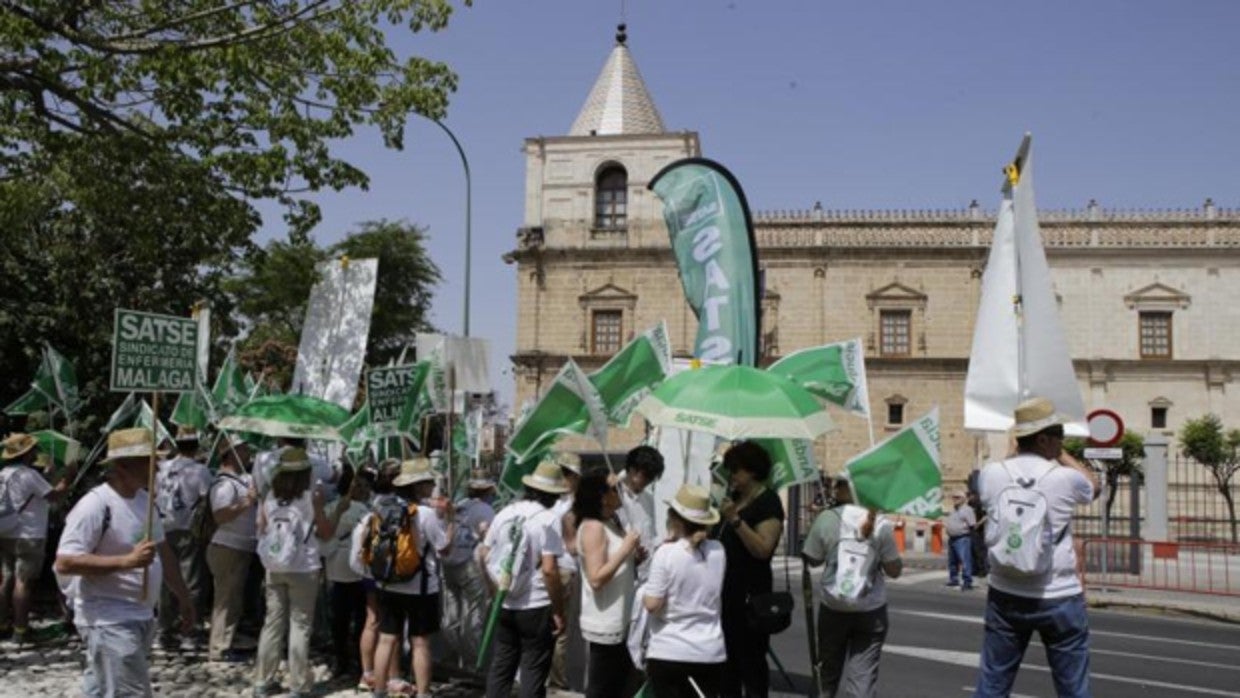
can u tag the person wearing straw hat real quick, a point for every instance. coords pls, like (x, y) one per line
(181, 482)
(566, 674)
(686, 652)
(1046, 597)
(409, 605)
(466, 595)
(103, 552)
(527, 538)
(230, 553)
(291, 524)
(24, 495)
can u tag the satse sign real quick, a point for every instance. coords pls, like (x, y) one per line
(153, 353)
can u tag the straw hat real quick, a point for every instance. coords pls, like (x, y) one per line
(414, 471)
(569, 461)
(130, 444)
(186, 435)
(18, 445)
(293, 460)
(1034, 415)
(480, 480)
(547, 477)
(692, 502)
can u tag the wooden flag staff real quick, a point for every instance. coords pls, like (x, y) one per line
(150, 488)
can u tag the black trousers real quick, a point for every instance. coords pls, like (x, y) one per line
(524, 640)
(611, 673)
(745, 673)
(670, 679)
(348, 609)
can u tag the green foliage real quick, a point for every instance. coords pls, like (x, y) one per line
(1206, 441)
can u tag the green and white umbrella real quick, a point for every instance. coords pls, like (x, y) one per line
(61, 448)
(295, 416)
(736, 402)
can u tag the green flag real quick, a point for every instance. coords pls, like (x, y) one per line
(146, 419)
(514, 469)
(192, 409)
(833, 372)
(123, 414)
(623, 381)
(902, 474)
(62, 449)
(563, 409)
(57, 374)
(712, 238)
(31, 401)
(229, 391)
(792, 460)
(417, 402)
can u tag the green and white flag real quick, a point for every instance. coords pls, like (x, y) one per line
(629, 376)
(147, 420)
(122, 415)
(30, 401)
(903, 474)
(792, 462)
(712, 237)
(62, 449)
(192, 409)
(229, 391)
(514, 469)
(833, 372)
(564, 409)
(57, 374)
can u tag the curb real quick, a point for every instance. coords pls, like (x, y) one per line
(1171, 608)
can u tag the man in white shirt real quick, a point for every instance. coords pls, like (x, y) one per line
(532, 614)
(22, 542)
(101, 560)
(1050, 602)
(182, 481)
(642, 466)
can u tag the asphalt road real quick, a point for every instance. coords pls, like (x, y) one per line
(936, 634)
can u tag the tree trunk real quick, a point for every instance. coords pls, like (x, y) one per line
(1231, 510)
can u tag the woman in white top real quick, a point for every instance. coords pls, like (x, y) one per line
(291, 522)
(685, 654)
(607, 570)
(347, 587)
(231, 551)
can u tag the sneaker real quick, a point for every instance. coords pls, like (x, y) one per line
(952, 584)
(967, 588)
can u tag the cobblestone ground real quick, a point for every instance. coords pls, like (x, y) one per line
(54, 668)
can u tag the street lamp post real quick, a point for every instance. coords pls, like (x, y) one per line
(468, 215)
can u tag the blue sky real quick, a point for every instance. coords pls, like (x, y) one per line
(890, 105)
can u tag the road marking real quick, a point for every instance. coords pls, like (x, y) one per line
(1155, 657)
(973, 659)
(978, 620)
(915, 578)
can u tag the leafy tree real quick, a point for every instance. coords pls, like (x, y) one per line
(253, 91)
(1130, 464)
(273, 289)
(1205, 441)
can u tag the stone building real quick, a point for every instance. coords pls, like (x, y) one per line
(1148, 298)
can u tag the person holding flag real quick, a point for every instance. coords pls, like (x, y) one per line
(100, 562)
(859, 551)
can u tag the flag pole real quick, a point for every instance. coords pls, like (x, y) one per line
(150, 488)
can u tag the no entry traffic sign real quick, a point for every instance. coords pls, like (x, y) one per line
(1105, 428)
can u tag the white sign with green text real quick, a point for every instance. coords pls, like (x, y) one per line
(153, 353)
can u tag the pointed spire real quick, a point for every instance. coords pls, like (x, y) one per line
(619, 102)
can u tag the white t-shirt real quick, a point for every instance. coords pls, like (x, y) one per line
(240, 533)
(432, 536)
(688, 629)
(542, 535)
(471, 515)
(336, 551)
(307, 557)
(27, 488)
(1064, 488)
(567, 561)
(179, 484)
(636, 513)
(116, 597)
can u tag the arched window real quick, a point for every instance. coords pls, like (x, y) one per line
(611, 198)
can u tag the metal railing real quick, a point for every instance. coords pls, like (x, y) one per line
(1202, 568)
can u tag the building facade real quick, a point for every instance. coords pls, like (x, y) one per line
(1147, 298)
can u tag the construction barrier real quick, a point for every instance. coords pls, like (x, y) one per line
(1203, 568)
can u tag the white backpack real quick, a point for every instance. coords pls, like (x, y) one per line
(855, 558)
(1018, 529)
(511, 541)
(287, 532)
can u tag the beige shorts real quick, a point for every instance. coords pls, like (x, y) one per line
(21, 558)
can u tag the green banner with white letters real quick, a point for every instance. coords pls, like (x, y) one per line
(712, 238)
(154, 353)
